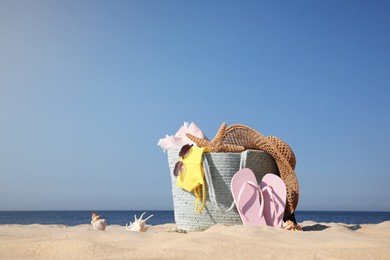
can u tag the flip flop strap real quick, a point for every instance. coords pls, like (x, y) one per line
(273, 202)
(256, 189)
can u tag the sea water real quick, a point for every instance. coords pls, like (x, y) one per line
(121, 217)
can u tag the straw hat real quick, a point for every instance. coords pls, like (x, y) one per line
(249, 138)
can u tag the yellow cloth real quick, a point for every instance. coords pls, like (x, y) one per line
(192, 179)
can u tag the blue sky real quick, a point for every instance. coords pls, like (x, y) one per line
(87, 88)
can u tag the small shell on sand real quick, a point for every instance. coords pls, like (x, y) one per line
(290, 225)
(139, 225)
(97, 222)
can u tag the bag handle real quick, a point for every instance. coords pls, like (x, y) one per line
(209, 180)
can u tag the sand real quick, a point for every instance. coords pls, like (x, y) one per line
(318, 241)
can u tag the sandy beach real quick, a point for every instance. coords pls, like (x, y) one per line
(318, 241)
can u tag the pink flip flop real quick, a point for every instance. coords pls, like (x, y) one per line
(248, 198)
(274, 194)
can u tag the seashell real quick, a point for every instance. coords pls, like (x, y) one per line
(180, 138)
(97, 222)
(138, 225)
(290, 225)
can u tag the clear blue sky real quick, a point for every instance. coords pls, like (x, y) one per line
(87, 88)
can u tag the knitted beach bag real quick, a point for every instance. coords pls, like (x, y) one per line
(219, 169)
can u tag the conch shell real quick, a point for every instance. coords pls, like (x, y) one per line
(138, 224)
(180, 138)
(97, 222)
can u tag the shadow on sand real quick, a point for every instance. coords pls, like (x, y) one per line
(320, 227)
(316, 227)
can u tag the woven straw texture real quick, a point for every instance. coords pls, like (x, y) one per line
(222, 168)
(282, 153)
